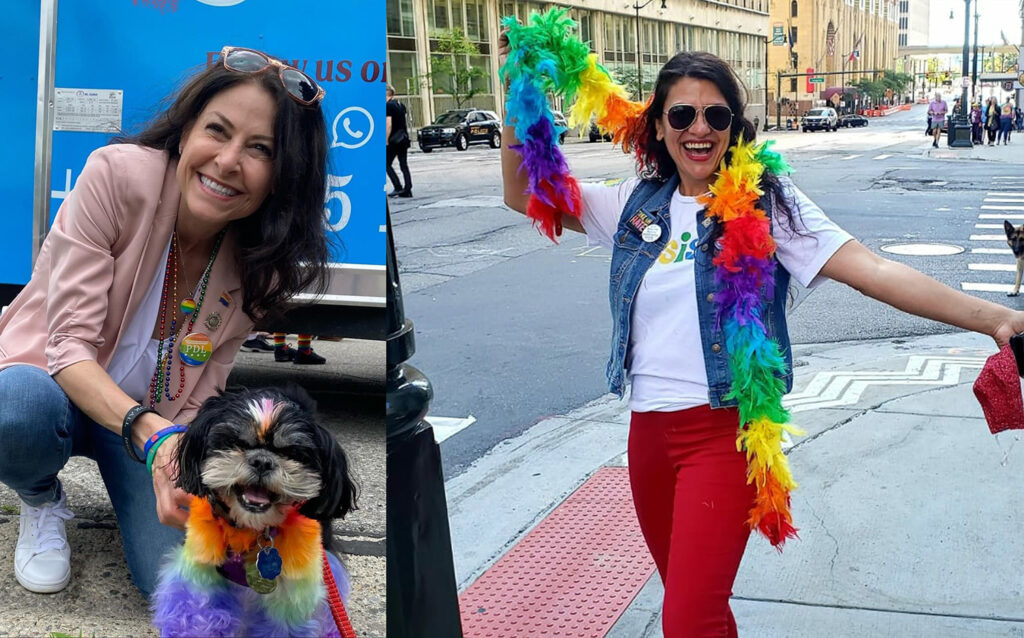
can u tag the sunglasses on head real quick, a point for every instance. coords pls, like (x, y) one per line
(300, 86)
(682, 116)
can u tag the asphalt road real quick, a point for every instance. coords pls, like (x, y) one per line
(511, 328)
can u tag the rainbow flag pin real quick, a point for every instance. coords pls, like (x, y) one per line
(188, 306)
(225, 299)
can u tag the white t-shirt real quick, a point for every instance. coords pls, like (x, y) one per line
(666, 362)
(134, 361)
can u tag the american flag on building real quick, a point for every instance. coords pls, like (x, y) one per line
(830, 39)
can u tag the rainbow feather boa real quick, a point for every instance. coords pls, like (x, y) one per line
(545, 58)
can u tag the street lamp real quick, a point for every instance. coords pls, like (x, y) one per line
(958, 134)
(639, 69)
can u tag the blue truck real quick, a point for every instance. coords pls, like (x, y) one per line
(86, 71)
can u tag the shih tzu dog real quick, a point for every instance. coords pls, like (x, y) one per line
(266, 481)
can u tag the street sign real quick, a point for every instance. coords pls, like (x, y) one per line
(818, 80)
(778, 34)
(965, 82)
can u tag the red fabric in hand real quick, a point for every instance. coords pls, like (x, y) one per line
(998, 389)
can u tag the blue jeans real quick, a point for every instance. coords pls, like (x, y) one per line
(40, 429)
(1005, 127)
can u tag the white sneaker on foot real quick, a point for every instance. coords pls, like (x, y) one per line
(42, 559)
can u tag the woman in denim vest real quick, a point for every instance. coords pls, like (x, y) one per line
(689, 482)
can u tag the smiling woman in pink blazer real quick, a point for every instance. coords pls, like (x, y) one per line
(172, 243)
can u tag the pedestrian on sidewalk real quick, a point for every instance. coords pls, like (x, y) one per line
(976, 123)
(698, 285)
(398, 144)
(991, 120)
(172, 243)
(937, 116)
(1005, 121)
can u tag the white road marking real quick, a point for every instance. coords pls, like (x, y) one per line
(999, 267)
(476, 201)
(1007, 216)
(987, 287)
(1016, 178)
(1005, 200)
(1019, 193)
(820, 157)
(1003, 207)
(881, 157)
(988, 237)
(988, 226)
(446, 427)
(991, 251)
(849, 157)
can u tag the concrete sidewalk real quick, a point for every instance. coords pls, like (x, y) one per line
(908, 507)
(101, 600)
(1012, 152)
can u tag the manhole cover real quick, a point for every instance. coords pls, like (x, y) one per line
(929, 250)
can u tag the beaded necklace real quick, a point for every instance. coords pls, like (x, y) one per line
(160, 385)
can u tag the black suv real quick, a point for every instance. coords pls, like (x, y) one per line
(460, 128)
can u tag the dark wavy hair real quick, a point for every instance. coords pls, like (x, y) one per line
(283, 247)
(653, 159)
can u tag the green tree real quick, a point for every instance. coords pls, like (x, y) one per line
(875, 89)
(626, 75)
(451, 69)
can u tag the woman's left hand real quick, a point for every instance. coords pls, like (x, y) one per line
(1013, 324)
(171, 501)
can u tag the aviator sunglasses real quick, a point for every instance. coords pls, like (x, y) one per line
(300, 86)
(682, 116)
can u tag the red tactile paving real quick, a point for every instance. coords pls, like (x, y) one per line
(572, 576)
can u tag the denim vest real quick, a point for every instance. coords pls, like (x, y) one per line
(632, 257)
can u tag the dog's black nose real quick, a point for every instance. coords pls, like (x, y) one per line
(262, 464)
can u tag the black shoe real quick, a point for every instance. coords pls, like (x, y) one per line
(308, 358)
(405, 193)
(935, 145)
(257, 344)
(285, 354)
(395, 193)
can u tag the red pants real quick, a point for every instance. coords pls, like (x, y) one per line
(692, 498)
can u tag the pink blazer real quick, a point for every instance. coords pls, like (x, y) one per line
(100, 255)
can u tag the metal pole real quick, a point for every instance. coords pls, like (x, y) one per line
(778, 100)
(765, 83)
(639, 69)
(974, 72)
(44, 123)
(421, 592)
(967, 43)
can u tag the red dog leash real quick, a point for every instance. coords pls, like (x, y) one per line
(337, 606)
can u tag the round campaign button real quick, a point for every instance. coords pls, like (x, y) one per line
(188, 305)
(195, 349)
(651, 233)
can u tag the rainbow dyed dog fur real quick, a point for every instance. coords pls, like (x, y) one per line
(260, 469)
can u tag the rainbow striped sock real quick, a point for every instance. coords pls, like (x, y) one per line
(304, 344)
(279, 341)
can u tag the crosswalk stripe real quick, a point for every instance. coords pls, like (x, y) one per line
(1007, 216)
(446, 427)
(881, 157)
(987, 287)
(988, 226)
(820, 157)
(1003, 207)
(999, 267)
(1019, 193)
(991, 251)
(849, 157)
(988, 237)
(1005, 200)
(1014, 178)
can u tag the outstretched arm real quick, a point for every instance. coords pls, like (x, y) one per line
(911, 291)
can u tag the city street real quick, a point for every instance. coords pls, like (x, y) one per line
(907, 505)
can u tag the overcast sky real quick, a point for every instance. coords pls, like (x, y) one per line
(995, 15)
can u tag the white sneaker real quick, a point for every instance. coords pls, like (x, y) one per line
(42, 560)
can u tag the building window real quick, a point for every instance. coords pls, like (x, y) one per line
(792, 9)
(400, 20)
(792, 36)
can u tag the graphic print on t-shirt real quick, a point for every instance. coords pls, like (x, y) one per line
(673, 255)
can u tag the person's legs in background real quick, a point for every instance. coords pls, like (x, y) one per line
(392, 175)
(282, 351)
(692, 500)
(305, 355)
(403, 163)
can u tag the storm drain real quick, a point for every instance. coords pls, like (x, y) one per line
(572, 576)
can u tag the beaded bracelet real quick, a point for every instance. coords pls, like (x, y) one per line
(154, 442)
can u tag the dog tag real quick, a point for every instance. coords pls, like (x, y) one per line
(268, 563)
(259, 584)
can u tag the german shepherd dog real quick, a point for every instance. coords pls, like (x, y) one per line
(1015, 238)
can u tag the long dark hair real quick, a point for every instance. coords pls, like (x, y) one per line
(653, 159)
(282, 244)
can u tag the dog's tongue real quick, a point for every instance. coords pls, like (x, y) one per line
(257, 495)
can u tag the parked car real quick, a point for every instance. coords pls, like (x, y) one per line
(560, 121)
(852, 120)
(595, 134)
(460, 128)
(820, 118)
